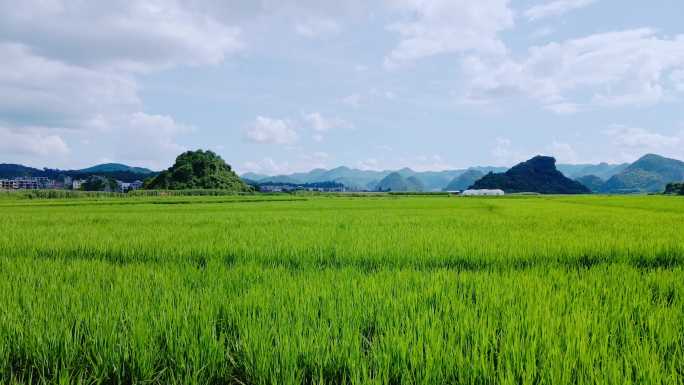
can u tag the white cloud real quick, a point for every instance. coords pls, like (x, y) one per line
(448, 26)
(49, 92)
(631, 137)
(430, 163)
(119, 34)
(613, 69)
(630, 143)
(563, 108)
(307, 162)
(31, 141)
(555, 8)
(265, 166)
(41, 96)
(353, 100)
(283, 131)
(319, 123)
(563, 152)
(303, 163)
(506, 154)
(274, 131)
(677, 78)
(369, 164)
(317, 27)
(68, 74)
(542, 32)
(148, 139)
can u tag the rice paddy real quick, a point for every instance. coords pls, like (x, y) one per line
(342, 290)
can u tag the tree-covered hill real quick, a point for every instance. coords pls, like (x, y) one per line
(413, 184)
(592, 182)
(675, 188)
(9, 170)
(464, 180)
(393, 182)
(538, 174)
(115, 168)
(198, 170)
(651, 173)
(124, 174)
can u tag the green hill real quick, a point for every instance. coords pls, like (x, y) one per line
(393, 182)
(538, 174)
(651, 173)
(601, 170)
(592, 182)
(198, 170)
(8, 170)
(114, 167)
(675, 188)
(464, 180)
(414, 184)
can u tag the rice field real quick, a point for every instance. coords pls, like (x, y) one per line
(342, 290)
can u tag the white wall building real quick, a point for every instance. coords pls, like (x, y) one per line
(496, 192)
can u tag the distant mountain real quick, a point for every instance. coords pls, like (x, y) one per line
(414, 184)
(369, 179)
(592, 182)
(538, 174)
(8, 170)
(114, 167)
(18, 171)
(253, 176)
(393, 182)
(464, 180)
(651, 173)
(601, 170)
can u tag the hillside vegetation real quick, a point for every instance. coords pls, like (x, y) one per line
(115, 167)
(651, 173)
(198, 170)
(675, 188)
(538, 174)
(395, 182)
(464, 180)
(592, 182)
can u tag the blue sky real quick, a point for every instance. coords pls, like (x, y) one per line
(282, 86)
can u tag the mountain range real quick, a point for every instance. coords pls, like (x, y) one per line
(447, 180)
(651, 173)
(368, 179)
(114, 170)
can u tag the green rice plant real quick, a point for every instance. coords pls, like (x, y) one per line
(342, 290)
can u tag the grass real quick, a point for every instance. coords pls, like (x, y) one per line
(335, 290)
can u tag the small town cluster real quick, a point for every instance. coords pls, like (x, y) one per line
(67, 183)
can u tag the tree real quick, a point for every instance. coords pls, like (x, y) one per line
(198, 170)
(99, 183)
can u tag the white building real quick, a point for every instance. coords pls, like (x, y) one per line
(496, 192)
(26, 183)
(77, 183)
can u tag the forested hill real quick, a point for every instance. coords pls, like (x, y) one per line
(538, 174)
(198, 170)
(125, 173)
(651, 173)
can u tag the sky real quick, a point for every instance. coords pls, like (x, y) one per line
(279, 86)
